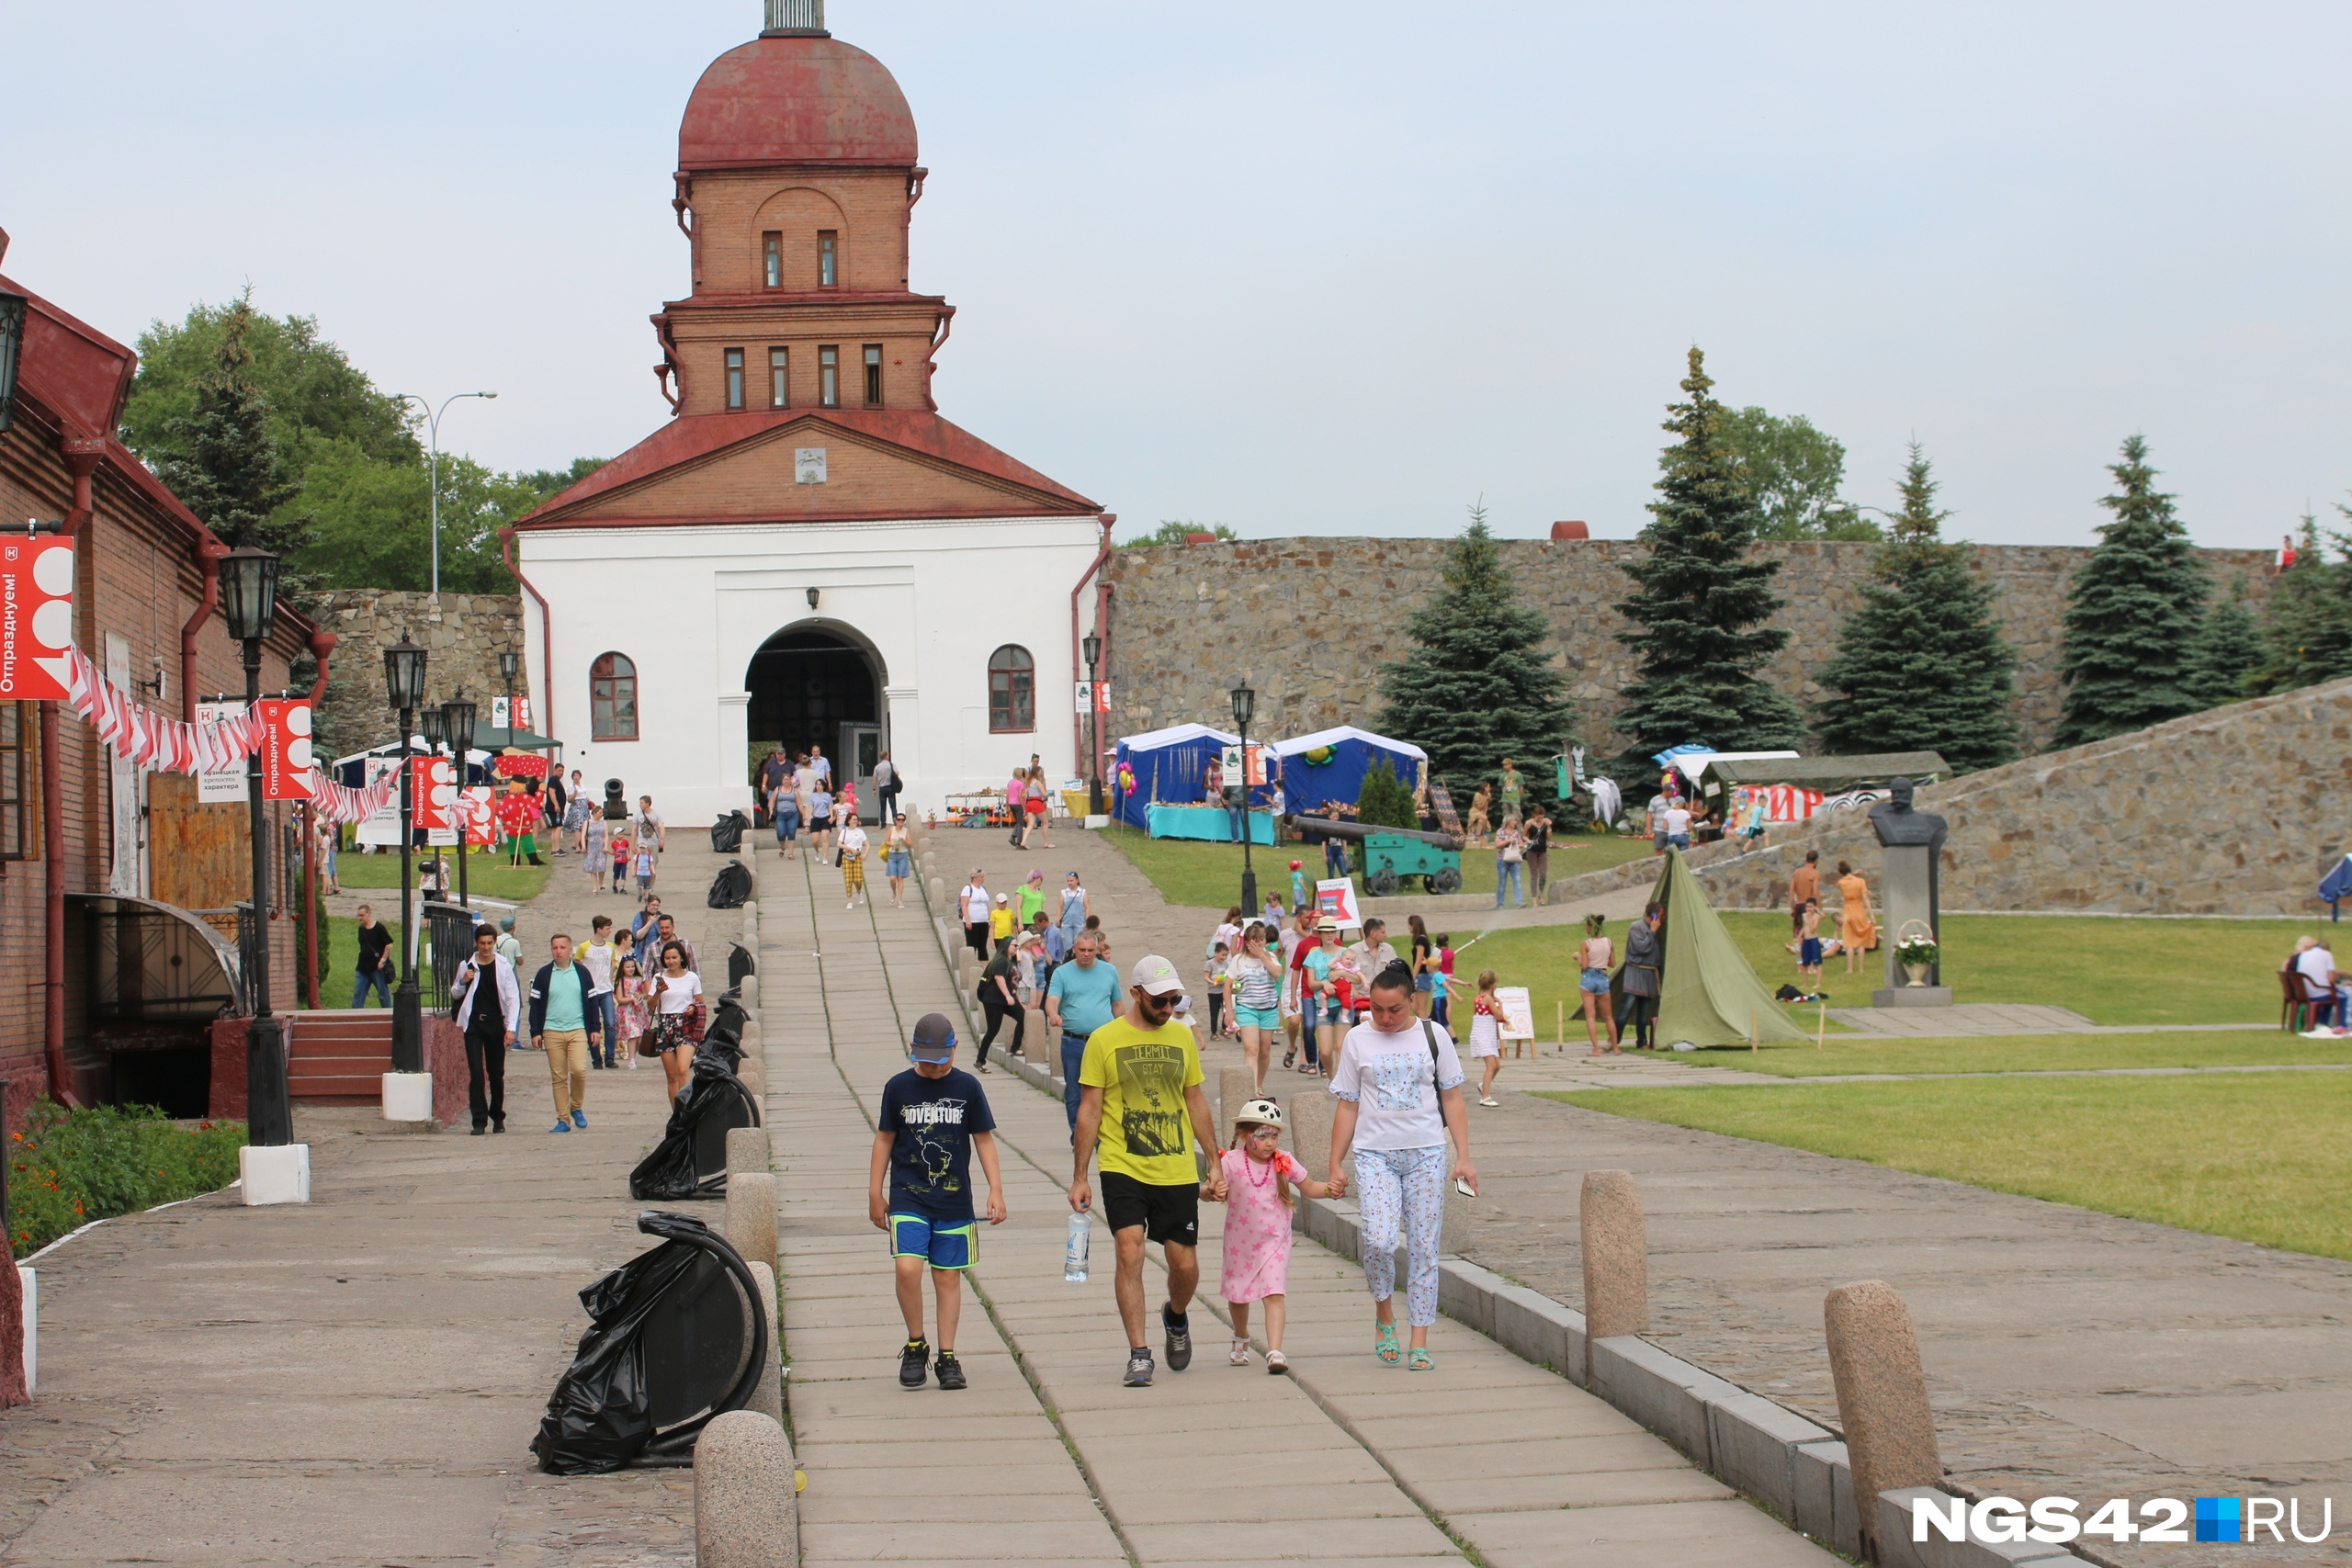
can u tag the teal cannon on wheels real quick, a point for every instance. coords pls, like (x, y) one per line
(1389, 855)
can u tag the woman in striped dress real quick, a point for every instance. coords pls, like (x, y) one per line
(1257, 1000)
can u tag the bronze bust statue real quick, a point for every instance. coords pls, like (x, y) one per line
(1897, 822)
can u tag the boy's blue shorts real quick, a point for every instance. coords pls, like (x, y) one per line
(942, 1246)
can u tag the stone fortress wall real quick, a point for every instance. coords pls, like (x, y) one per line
(2239, 810)
(462, 635)
(1309, 622)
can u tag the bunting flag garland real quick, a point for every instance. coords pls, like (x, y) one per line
(148, 740)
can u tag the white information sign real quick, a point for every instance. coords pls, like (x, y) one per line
(1519, 1012)
(226, 787)
(383, 826)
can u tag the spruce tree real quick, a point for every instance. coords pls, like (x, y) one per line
(224, 464)
(1477, 687)
(1385, 800)
(2228, 650)
(1701, 602)
(2307, 622)
(1921, 666)
(2131, 614)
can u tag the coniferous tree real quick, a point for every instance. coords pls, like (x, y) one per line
(1385, 800)
(2131, 614)
(1921, 666)
(1701, 602)
(2307, 622)
(224, 464)
(2228, 650)
(1477, 687)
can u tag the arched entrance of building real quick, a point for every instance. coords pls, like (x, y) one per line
(820, 684)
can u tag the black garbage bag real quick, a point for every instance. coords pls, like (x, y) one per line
(603, 1414)
(691, 1159)
(739, 965)
(731, 888)
(727, 833)
(600, 1417)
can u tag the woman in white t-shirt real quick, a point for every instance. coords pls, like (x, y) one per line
(677, 1002)
(1400, 1086)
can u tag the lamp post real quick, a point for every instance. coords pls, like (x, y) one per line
(249, 597)
(432, 434)
(405, 685)
(508, 663)
(1245, 703)
(1092, 647)
(458, 723)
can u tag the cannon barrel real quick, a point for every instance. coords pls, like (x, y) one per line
(1331, 827)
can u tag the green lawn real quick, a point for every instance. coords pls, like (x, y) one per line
(488, 874)
(340, 933)
(2019, 1053)
(1209, 875)
(2263, 1158)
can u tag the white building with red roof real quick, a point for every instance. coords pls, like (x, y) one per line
(806, 553)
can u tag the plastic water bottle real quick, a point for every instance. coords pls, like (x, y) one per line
(1081, 1231)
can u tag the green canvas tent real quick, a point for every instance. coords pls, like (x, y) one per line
(1708, 993)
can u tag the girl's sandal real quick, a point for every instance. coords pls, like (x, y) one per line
(1419, 1360)
(1385, 1347)
(1277, 1363)
(1240, 1356)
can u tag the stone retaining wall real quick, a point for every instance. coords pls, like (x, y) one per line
(2237, 811)
(1310, 621)
(462, 635)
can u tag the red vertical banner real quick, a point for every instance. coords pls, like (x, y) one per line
(285, 749)
(35, 618)
(481, 824)
(435, 801)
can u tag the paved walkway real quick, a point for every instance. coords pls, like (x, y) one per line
(2065, 1349)
(356, 1382)
(1047, 1456)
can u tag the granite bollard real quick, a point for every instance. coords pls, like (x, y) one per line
(767, 1394)
(750, 1225)
(1615, 1243)
(1881, 1396)
(745, 1513)
(938, 890)
(747, 1150)
(1309, 1112)
(753, 1074)
(749, 992)
(1234, 1090)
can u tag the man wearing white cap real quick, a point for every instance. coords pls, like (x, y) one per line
(1139, 1098)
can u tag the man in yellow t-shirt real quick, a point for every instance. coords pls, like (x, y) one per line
(1140, 1100)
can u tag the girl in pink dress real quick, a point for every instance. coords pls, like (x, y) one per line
(1259, 1176)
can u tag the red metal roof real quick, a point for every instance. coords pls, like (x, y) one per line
(690, 437)
(795, 100)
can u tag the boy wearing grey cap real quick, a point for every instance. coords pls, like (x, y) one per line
(932, 1118)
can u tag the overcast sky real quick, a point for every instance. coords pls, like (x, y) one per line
(1307, 269)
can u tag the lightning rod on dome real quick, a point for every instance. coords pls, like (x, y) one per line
(795, 18)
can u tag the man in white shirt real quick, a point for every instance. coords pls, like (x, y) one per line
(1370, 956)
(598, 959)
(973, 903)
(819, 766)
(2316, 964)
(649, 826)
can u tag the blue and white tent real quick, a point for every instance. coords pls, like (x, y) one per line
(1167, 766)
(1330, 764)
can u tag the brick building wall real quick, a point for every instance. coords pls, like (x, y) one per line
(1309, 622)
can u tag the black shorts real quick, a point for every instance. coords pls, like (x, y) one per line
(1166, 1214)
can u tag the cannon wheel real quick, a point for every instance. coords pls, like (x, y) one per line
(1382, 884)
(1446, 880)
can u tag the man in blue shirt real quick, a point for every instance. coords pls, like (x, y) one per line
(1083, 996)
(933, 1119)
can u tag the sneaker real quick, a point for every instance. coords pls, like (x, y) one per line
(950, 1370)
(580, 1119)
(1138, 1368)
(914, 1359)
(1180, 1339)
(560, 1127)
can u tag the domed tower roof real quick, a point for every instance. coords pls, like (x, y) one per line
(795, 97)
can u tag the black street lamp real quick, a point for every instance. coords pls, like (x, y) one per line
(509, 661)
(249, 598)
(1245, 703)
(458, 723)
(405, 685)
(1092, 647)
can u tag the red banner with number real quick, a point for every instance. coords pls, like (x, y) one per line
(285, 749)
(36, 619)
(434, 800)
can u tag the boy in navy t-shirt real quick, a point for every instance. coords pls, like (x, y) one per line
(932, 1118)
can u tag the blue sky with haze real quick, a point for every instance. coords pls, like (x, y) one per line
(1307, 268)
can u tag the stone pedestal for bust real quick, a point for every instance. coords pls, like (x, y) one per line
(1909, 841)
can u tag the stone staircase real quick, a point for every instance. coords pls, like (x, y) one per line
(340, 1056)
